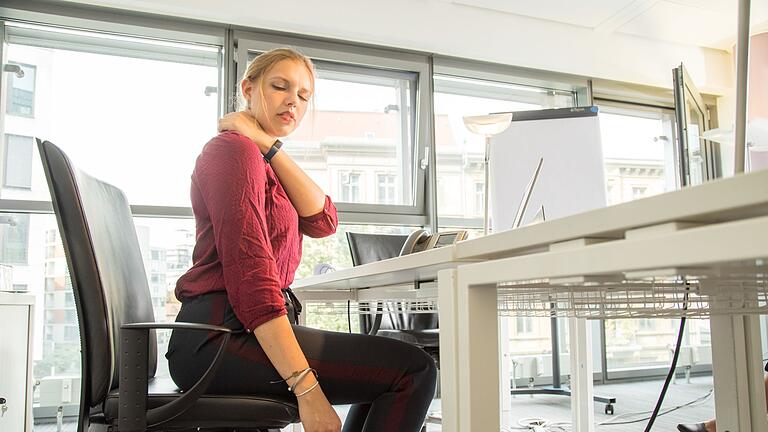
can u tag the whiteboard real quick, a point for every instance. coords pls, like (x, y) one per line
(571, 179)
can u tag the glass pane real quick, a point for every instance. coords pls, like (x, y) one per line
(696, 145)
(359, 131)
(638, 152)
(21, 95)
(18, 161)
(166, 246)
(138, 123)
(635, 344)
(460, 154)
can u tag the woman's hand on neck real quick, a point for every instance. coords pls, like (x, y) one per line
(246, 124)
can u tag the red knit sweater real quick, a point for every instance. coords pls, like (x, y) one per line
(248, 234)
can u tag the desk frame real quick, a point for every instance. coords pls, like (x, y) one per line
(467, 275)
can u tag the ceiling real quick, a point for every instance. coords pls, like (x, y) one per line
(702, 23)
(634, 41)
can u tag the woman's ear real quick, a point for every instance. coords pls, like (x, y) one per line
(246, 86)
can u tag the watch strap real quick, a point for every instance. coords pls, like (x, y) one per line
(273, 150)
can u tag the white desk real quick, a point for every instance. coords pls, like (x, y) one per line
(467, 308)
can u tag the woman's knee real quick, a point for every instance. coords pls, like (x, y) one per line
(420, 361)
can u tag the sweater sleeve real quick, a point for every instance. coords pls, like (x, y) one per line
(232, 179)
(321, 224)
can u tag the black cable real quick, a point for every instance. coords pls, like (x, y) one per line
(349, 317)
(687, 404)
(671, 372)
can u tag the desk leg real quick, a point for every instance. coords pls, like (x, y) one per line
(505, 389)
(478, 355)
(582, 402)
(738, 373)
(446, 309)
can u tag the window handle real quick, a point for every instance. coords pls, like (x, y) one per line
(15, 69)
(424, 162)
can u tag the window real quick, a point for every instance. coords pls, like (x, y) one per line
(638, 151)
(349, 187)
(524, 325)
(21, 94)
(362, 117)
(129, 144)
(366, 106)
(386, 189)
(14, 238)
(460, 154)
(18, 162)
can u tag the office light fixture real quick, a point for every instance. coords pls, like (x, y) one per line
(487, 125)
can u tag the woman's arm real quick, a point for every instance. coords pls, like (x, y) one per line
(278, 341)
(305, 195)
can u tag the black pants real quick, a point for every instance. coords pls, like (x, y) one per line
(389, 383)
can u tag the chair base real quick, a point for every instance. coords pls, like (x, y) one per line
(560, 391)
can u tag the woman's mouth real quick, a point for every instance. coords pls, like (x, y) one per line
(286, 117)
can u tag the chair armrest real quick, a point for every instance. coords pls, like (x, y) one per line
(134, 347)
(176, 325)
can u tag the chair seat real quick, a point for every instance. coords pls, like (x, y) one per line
(220, 411)
(429, 338)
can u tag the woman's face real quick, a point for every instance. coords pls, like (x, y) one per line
(281, 102)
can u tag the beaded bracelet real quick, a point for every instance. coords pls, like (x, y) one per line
(293, 375)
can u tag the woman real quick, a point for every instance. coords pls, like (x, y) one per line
(252, 204)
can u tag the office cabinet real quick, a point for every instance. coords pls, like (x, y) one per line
(16, 313)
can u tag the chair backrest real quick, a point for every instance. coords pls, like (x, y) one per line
(367, 248)
(105, 266)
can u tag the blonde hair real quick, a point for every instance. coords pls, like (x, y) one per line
(263, 63)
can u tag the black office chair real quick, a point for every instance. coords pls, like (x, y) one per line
(119, 352)
(420, 329)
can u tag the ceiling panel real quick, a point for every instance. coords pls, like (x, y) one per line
(706, 23)
(686, 24)
(586, 13)
(710, 5)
